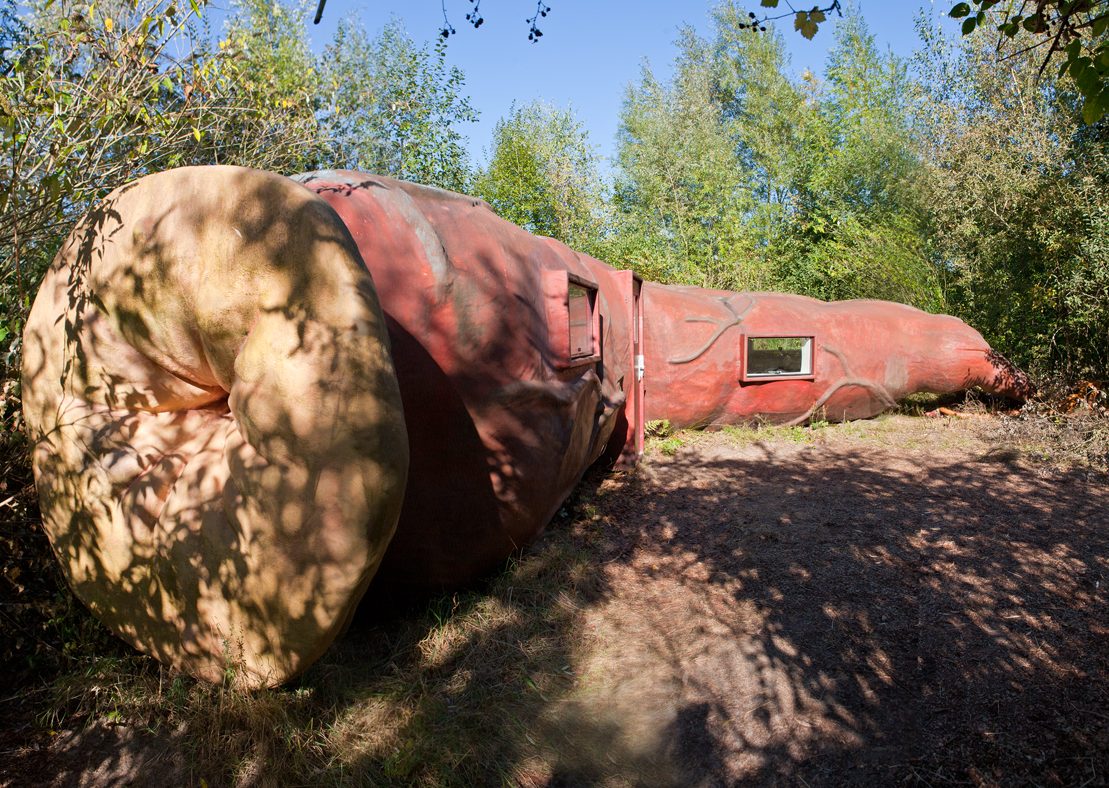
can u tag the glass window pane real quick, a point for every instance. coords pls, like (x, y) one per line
(581, 322)
(770, 356)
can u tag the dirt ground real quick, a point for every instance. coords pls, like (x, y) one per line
(895, 599)
(903, 600)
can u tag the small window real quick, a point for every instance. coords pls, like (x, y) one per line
(573, 321)
(768, 358)
(581, 321)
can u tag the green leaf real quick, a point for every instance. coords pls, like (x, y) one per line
(195, 6)
(769, 3)
(960, 10)
(1034, 23)
(1094, 108)
(1078, 66)
(1088, 82)
(968, 25)
(804, 24)
(817, 16)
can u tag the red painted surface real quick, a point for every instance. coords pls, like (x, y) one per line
(504, 412)
(502, 420)
(233, 320)
(867, 355)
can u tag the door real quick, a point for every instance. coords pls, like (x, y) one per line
(638, 366)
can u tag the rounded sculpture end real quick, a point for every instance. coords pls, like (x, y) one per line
(219, 444)
(1008, 379)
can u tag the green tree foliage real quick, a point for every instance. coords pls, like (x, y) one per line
(544, 176)
(1021, 213)
(394, 108)
(862, 206)
(268, 83)
(977, 187)
(1073, 30)
(734, 176)
(677, 193)
(90, 95)
(95, 95)
(1070, 32)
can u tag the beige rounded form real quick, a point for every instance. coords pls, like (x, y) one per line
(219, 444)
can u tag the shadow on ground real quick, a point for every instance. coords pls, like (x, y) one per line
(852, 613)
(832, 611)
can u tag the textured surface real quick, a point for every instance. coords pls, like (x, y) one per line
(867, 355)
(502, 423)
(219, 443)
(221, 450)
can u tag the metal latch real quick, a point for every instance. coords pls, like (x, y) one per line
(640, 366)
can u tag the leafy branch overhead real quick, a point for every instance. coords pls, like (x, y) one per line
(474, 17)
(1076, 29)
(804, 22)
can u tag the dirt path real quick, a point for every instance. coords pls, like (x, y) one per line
(895, 599)
(899, 600)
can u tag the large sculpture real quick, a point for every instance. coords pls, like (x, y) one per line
(250, 396)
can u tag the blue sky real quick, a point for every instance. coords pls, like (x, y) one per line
(590, 51)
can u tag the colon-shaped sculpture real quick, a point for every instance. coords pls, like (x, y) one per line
(250, 396)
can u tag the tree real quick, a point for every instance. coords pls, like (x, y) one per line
(678, 190)
(543, 175)
(95, 95)
(89, 97)
(732, 176)
(392, 107)
(264, 71)
(862, 205)
(1073, 29)
(1017, 189)
(772, 123)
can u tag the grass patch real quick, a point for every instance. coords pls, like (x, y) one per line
(441, 690)
(661, 437)
(669, 446)
(746, 434)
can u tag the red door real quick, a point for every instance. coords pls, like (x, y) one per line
(638, 365)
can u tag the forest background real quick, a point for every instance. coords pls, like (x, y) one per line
(959, 180)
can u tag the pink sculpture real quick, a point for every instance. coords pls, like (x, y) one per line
(236, 385)
(717, 358)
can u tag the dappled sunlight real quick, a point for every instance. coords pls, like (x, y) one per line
(220, 451)
(817, 608)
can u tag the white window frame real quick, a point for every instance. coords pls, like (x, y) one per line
(808, 357)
